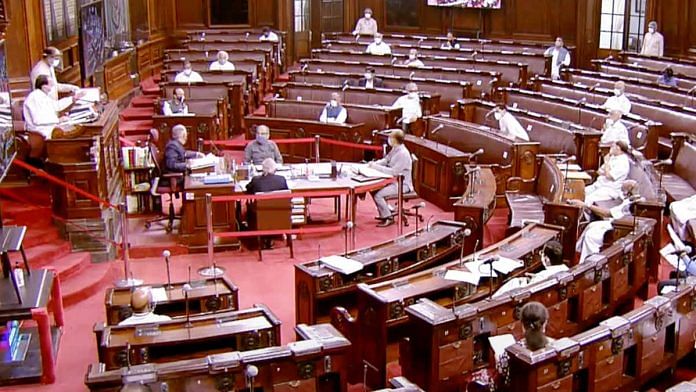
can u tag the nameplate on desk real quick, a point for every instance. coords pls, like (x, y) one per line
(305, 347)
(139, 374)
(147, 330)
(222, 362)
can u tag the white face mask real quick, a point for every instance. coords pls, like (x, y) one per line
(411, 56)
(333, 103)
(368, 76)
(188, 71)
(617, 92)
(55, 63)
(368, 16)
(413, 95)
(378, 41)
(222, 61)
(651, 30)
(498, 116)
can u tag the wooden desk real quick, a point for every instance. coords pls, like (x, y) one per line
(208, 121)
(91, 161)
(36, 346)
(242, 330)
(476, 206)
(231, 93)
(381, 306)
(207, 296)
(246, 79)
(316, 364)
(319, 288)
(439, 172)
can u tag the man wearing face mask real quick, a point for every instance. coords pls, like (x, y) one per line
(221, 64)
(262, 148)
(560, 56)
(176, 105)
(508, 124)
(410, 106)
(47, 66)
(268, 35)
(451, 42)
(334, 112)
(41, 110)
(614, 130)
(188, 75)
(370, 80)
(396, 163)
(413, 60)
(614, 171)
(366, 25)
(619, 101)
(654, 42)
(378, 47)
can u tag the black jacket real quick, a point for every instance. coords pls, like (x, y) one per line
(267, 183)
(376, 82)
(175, 156)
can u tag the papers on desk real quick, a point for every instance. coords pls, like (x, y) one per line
(506, 265)
(342, 264)
(92, 95)
(500, 264)
(499, 343)
(672, 259)
(463, 276)
(548, 272)
(181, 114)
(217, 179)
(159, 294)
(571, 167)
(370, 172)
(209, 160)
(510, 285)
(578, 175)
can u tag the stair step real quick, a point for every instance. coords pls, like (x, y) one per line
(44, 254)
(40, 235)
(72, 264)
(90, 281)
(133, 113)
(143, 101)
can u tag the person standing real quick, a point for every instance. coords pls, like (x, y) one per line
(410, 106)
(653, 42)
(560, 56)
(47, 66)
(366, 25)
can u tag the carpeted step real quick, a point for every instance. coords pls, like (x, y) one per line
(71, 265)
(138, 127)
(89, 282)
(41, 255)
(38, 235)
(27, 215)
(133, 113)
(36, 193)
(143, 101)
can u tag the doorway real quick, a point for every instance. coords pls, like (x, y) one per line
(303, 31)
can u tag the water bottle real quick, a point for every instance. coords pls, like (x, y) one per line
(19, 275)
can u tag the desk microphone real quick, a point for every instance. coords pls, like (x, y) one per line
(186, 289)
(594, 86)
(394, 60)
(475, 154)
(666, 162)
(345, 87)
(251, 372)
(427, 224)
(166, 253)
(349, 226)
(437, 129)
(411, 75)
(417, 207)
(246, 35)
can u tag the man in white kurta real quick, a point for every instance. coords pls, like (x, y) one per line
(366, 25)
(508, 124)
(41, 110)
(378, 47)
(653, 42)
(413, 60)
(619, 101)
(142, 305)
(410, 106)
(612, 175)
(47, 66)
(560, 56)
(188, 75)
(681, 212)
(614, 130)
(592, 238)
(221, 64)
(268, 35)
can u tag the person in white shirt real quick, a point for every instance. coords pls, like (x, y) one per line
(378, 47)
(612, 174)
(397, 162)
(176, 105)
(619, 101)
(41, 111)
(560, 56)
(614, 130)
(268, 35)
(188, 75)
(451, 42)
(221, 64)
(653, 42)
(681, 212)
(366, 25)
(143, 309)
(592, 238)
(47, 66)
(413, 60)
(334, 112)
(508, 124)
(410, 106)
(552, 260)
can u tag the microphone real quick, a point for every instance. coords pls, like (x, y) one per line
(594, 86)
(685, 250)
(582, 101)
(427, 224)
(411, 75)
(166, 253)
(246, 35)
(186, 289)
(393, 60)
(490, 260)
(349, 226)
(489, 114)
(467, 232)
(345, 87)
(473, 55)
(666, 162)
(420, 205)
(493, 81)
(251, 372)
(437, 129)
(567, 159)
(475, 154)
(304, 67)
(199, 144)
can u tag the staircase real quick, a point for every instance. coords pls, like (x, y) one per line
(135, 121)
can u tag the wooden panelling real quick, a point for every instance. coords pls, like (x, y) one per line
(25, 40)
(117, 81)
(675, 20)
(264, 13)
(191, 13)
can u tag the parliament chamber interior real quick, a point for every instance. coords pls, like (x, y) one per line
(348, 195)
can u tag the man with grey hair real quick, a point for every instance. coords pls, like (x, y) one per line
(378, 47)
(334, 112)
(222, 64)
(410, 106)
(654, 42)
(177, 104)
(398, 162)
(262, 147)
(366, 25)
(619, 101)
(268, 181)
(175, 154)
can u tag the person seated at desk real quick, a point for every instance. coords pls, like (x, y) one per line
(614, 130)
(366, 25)
(369, 80)
(680, 213)
(268, 181)
(143, 309)
(41, 111)
(378, 47)
(410, 106)
(262, 147)
(175, 154)
(508, 124)
(221, 64)
(667, 78)
(188, 75)
(268, 35)
(451, 42)
(560, 56)
(413, 60)
(397, 162)
(334, 112)
(176, 105)
(47, 66)
(551, 256)
(592, 238)
(619, 101)
(612, 175)
(535, 317)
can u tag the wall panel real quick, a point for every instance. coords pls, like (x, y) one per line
(190, 14)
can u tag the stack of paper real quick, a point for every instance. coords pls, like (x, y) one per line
(209, 160)
(499, 343)
(342, 264)
(463, 276)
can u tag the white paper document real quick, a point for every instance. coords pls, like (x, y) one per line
(207, 161)
(370, 172)
(506, 265)
(463, 276)
(548, 272)
(159, 294)
(510, 285)
(499, 343)
(91, 94)
(342, 264)
(477, 267)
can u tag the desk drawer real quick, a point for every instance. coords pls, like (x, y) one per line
(565, 384)
(591, 301)
(652, 351)
(558, 319)
(608, 373)
(619, 283)
(687, 333)
(456, 358)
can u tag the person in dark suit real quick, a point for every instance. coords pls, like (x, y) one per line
(268, 181)
(175, 154)
(370, 80)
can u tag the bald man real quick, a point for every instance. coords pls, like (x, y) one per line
(176, 105)
(143, 309)
(619, 101)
